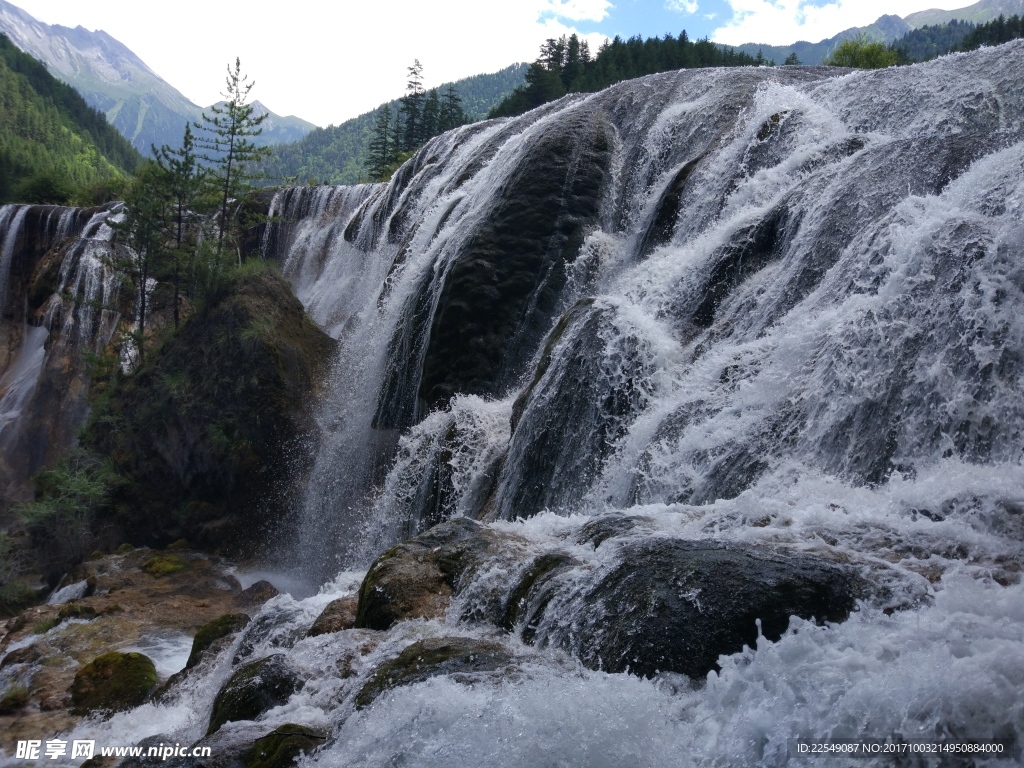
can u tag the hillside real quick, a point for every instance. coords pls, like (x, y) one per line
(886, 29)
(337, 154)
(139, 103)
(49, 136)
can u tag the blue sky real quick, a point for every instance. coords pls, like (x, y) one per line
(309, 57)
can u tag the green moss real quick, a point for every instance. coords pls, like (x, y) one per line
(124, 549)
(281, 747)
(431, 657)
(45, 626)
(178, 545)
(164, 565)
(96, 555)
(13, 699)
(212, 631)
(113, 681)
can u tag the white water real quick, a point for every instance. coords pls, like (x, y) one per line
(854, 392)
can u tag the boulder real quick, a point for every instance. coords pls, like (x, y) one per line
(209, 635)
(257, 594)
(461, 658)
(113, 682)
(253, 689)
(417, 578)
(281, 747)
(671, 605)
(339, 615)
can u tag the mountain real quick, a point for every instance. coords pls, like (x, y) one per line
(337, 154)
(886, 29)
(50, 138)
(138, 102)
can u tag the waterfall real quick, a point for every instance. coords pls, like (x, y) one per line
(67, 310)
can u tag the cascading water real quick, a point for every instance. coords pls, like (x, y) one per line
(69, 311)
(774, 307)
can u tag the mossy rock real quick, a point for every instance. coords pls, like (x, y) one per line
(213, 631)
(13, 700)
(254, 689)
(114, 681)
(124, 549)
(281, 747)
(459, 657)
(164, 565)
(178, 545)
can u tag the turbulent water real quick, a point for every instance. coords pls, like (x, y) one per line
(773, 305)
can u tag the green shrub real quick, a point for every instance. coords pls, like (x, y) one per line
(861, 53)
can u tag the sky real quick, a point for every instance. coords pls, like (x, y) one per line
(328, 60)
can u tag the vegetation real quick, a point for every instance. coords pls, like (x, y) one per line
(53, 146)
(931, 41)
(1001, 30)
(862, 53)
(567, 66)
(340, 154)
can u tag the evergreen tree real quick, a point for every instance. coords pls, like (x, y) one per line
(431, 118)
(183, 181)
(412, 108)
(381, 146)
(791, 60)
(142, 242)
(451, 115)
(229, 148)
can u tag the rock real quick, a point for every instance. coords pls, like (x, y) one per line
(206, 427)
(114, 681)
(76, 611)
(209, 634)
(257, 594)
(339, 615)
(461, 658)
(13, 699)
(676, 606)
(417, 578)
(163, 565)
(26, 655)
(253, 689)
(281, 747)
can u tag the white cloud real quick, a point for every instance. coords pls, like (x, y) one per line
(578, 10)
(780, 22)
(681, 6)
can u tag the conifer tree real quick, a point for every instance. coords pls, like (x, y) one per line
(229, 148)
(452, 114)
(430, 120)
(412, 108)
(183, 180)
(381, 145)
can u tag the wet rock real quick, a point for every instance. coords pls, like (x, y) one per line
(207, 639)
(534, 591)
(253, 689)
(13, 699)
(596, 532)
(257, 594)
(281, 747)
(114, 681)
(461, 658)
(676, 606)
(76, 611)
(339, 615)
(417, 578)
(27, 655)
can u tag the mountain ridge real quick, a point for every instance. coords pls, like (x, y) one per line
(142, 106)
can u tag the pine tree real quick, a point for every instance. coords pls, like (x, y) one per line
(183, 180)
(412, 108)
(381, 145)
(431, 116)
(452, 115)
(229, 148)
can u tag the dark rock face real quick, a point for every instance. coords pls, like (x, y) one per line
(339, 615)
(205, 427)
(113, 682)
(501, 293)
(257, 594)
(692, 601)
(281, 747)
(206, 639)
(253, 689)
(461, 658)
